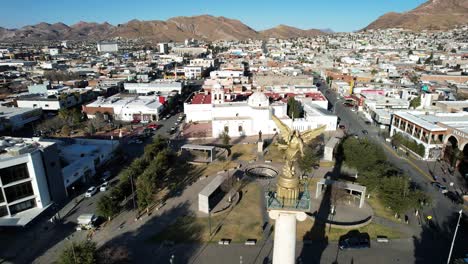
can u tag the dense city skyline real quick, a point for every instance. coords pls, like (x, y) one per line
(338, 15)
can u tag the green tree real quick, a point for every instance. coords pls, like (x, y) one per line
(225, 138)
(453, 51)
(91, 129)
(107, 207)
(66, 130)
(82, 253)
(64, 113)
(416, 102)
(151, 150)
(410, 52)
(145, 187)
(374, 72)
(310, 159)
(395, 193)
(294, 108)
(76, 117)
(361, 154)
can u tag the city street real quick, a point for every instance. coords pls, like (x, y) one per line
(442, 209)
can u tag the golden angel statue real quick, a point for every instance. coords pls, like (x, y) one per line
(295, 142)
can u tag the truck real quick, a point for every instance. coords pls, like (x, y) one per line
(86, 221)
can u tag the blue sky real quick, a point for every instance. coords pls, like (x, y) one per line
(339, 15)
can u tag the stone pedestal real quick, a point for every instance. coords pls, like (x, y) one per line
(260, 146)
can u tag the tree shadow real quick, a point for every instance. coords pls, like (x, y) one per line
(433, 244)
(159, 239)
(25, 245)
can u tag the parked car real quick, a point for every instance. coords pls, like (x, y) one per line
(356, 242)
(454, 197)
(91, 191)
(441, 188)
(138, 141)
(104, 187)
(135, 121)
(153, 126)
(342, 126)
(365, 132)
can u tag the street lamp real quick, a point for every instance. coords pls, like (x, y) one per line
(209, 219)
(133, 191)
(454, 236)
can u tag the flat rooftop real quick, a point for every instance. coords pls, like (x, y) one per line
(431, 122)
(14, 147)
(8, 112)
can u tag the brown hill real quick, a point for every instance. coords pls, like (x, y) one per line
(433, 15)
(287, 32)
(204, 27)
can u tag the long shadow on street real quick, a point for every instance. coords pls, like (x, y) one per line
(433, 245)
(316, 239)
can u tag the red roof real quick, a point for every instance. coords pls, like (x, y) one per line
(201, 99)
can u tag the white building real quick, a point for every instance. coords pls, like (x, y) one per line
(248, 118)
(193, 72)
(206, 63)
(24, 191)
(160, 87)
(36, 172)
(107, 47)
(82, 157)
(15, 118)
(163, 48)
(141, 108)
(433, 130)
(47, 103)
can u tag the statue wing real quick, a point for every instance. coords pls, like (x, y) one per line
(284, 130)
(309, 135)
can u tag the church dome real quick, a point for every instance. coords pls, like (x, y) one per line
(258, 99)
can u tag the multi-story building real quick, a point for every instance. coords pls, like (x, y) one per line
(437, 132)
(14, 118)
(107, 47)
(30, 179)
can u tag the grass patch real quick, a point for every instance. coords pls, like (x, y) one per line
(243, 222)
(245, 152)
(380, 210)
(305, 231)
(274, 153)
(327, 164)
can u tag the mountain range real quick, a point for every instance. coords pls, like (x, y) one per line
(431, 15)
(205, 27)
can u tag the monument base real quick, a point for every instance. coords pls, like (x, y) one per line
(260, 146)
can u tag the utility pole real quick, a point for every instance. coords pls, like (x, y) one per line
(454, 236)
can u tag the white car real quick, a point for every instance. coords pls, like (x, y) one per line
(90, 192)
(104, 187)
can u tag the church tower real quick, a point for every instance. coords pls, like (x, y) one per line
(217, 94)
